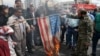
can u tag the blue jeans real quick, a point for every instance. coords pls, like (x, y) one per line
(71, 32)
(95, 40)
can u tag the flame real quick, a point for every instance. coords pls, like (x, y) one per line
(55, 50)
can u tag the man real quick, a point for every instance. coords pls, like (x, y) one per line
(6, 43)
(85, 30)
(11, 9)
(32, 23)
(92, 18)
(96, 36)
(20, 26)
(18, 5)
(63, 27)
(72, 24)
(36, 14)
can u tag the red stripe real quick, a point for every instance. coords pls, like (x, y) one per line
(45, 35)
(47, 31)
(42, 35)
(41, 32)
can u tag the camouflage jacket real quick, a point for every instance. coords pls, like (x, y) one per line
(85, 27)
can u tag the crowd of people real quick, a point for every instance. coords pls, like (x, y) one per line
(81, 29)
(19, 30)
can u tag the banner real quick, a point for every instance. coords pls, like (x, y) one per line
(85, 6)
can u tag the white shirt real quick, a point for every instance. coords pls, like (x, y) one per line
(72, 22)
(34, 21)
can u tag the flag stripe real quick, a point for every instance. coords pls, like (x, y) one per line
(47, 31)
(44, 32)
(50, 34)
(41, 32)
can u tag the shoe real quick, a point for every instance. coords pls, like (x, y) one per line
(73, 48)
(61, 42)
(73, 54)
(93, 54)
(69, 47)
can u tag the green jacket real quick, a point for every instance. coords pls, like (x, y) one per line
(97, 22)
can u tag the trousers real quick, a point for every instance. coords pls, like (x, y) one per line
(95, 40)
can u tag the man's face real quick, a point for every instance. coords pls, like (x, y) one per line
(18, 13)
(6, 11)
(18, 4)
(32, 9)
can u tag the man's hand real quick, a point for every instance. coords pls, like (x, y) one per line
(14, 43)
(28, 30)
(76, 29)
(32, 27)
(20, 21)
(87, 44)
(62, 26)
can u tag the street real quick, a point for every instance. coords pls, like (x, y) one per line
(98, 49)
(39, 51)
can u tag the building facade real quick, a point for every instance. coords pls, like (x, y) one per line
(1, 2)
(35, 3)
(81, 1)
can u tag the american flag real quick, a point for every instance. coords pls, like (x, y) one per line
(49, 29)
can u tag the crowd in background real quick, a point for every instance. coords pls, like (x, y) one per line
(19, 30)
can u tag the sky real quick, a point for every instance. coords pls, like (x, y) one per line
(11, 2)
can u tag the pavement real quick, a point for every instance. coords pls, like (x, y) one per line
(98, 49)
(39, 51)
